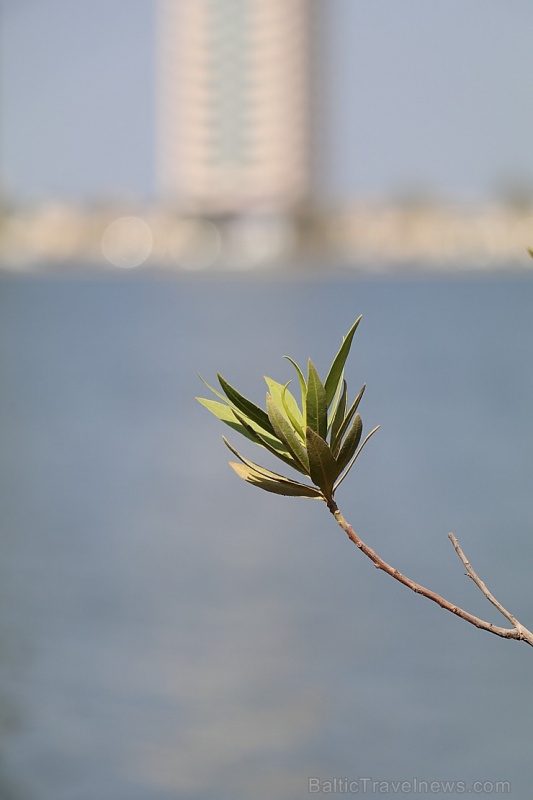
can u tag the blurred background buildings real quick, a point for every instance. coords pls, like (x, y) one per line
(252, 158)
(234, 104)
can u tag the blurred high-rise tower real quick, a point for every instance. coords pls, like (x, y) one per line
(234, 104)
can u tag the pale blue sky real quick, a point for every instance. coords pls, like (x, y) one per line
(432, 95)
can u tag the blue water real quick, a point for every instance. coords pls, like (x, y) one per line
(170, 632)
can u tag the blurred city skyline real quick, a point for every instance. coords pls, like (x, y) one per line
(413, 99)
(234, 105)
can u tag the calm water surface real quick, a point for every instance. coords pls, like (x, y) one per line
(170, 632)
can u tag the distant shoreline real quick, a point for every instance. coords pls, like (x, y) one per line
(366, 238)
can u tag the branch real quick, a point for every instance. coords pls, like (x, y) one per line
(517, 631)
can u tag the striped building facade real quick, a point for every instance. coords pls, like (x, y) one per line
(234, 104)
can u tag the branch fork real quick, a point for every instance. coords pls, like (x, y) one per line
(517, 631)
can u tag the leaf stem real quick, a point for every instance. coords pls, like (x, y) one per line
(517, 631)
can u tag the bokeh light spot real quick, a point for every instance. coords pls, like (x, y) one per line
(194, 243)
(127, 242)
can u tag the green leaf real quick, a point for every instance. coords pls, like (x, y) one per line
(351, 442)
(266, 473)
(263, 470)
(316, 406)
(340, 411)
(301, 380)
(356, 456)
(218, 394)
(240, 423)
(221, 410)
(224, 413)
(246, 406)
(273, 445)
(293, 412)
(332, 408)
(335, 371)
(276, 486)
(323, 468)
(285, 432)
(286, 402)
(336, 444)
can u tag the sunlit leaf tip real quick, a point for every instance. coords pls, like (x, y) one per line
(335, 371)
(301, 381)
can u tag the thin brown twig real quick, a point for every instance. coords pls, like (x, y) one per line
(482, 586)
(518, 631)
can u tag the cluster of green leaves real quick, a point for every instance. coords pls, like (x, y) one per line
(320, 437)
